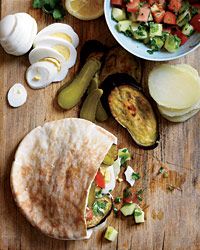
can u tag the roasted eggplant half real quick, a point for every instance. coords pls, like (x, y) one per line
(133, 111)
(98, 209)
(118, 60)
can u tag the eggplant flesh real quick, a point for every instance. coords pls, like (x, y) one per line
(133, 111)
(99, 217)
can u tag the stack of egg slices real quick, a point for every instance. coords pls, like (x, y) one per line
(54, 52)
(17, 33)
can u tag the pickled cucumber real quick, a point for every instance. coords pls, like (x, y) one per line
(89, 108)
(111, 155)
(101, 114)
(72, 94)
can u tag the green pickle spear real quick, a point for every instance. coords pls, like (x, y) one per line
(89, 108)
(72, 94)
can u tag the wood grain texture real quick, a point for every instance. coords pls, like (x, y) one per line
(172, 219)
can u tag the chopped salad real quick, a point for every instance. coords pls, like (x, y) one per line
(159, 24)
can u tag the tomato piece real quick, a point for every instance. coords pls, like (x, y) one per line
(143, 14)
(169, 18)
(89, 213)
(133, 6)
(180, 35)
(175, 5)
(167, 29)
(118, 3)
(195, 22)
(151, 2)
(162, 3)
(158, 16)
(99, 180)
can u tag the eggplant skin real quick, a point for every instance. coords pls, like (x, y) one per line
(133, 111)
(118, 60)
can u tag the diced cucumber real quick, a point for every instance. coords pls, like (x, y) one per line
(140, 33)
(134, 26)
(172, 43)
(183, 18)
(118, 14)
(156, 43)
(125, 27)
(128, 209)
(133, 17)
(155, 29)
(187, 29)
(146, 40)
(139, 215)
(110, 233)
(185, 6)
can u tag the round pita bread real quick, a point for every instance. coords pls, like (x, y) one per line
(52, 172)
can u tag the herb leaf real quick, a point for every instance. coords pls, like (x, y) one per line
(98, 207)
(135, 176)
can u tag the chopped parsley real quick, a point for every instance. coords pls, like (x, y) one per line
(137, 212)
(124, 156)
(127, 192)
(117, 200)
(135, 176)
(98, 194)
(52, 7)
(99, 207)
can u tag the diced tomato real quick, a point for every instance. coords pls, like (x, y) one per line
(169, 18)
(175, 5)
(143, 14)
(162, 3)
(128, 200)
(133, 6)
(195, 22)
(180, 35)
(99, 180)
(158, 16)
(117, 3)
(89, 213)
(151, 2)
(167, 29)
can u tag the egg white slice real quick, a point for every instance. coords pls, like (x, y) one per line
(63, 47)
(41, 74)
(39, 54)
(17, 95)
(59, 30)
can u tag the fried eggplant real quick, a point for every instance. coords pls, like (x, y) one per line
(101, 209)
(118, 60)
(133, 111)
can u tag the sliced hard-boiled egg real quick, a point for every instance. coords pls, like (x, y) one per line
(42, 53)
(59, 30)
(17, 95)
(63, 47)
(128, 174)
(7, 26)
(110, 180)
(41, 74)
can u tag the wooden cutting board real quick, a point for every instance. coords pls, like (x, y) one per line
(172, 218)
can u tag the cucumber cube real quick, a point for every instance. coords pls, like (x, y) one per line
(155, 29)
(110, 233)
(118, 14)
(139, 215)
(128, 209)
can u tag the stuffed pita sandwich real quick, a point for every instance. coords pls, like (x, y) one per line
(57, 181)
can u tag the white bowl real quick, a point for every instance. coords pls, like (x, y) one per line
(139, 49)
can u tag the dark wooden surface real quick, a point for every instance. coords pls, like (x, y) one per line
(172, 218)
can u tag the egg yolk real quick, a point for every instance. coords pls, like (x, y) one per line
(63, 36)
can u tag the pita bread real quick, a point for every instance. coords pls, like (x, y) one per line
(52, 173)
